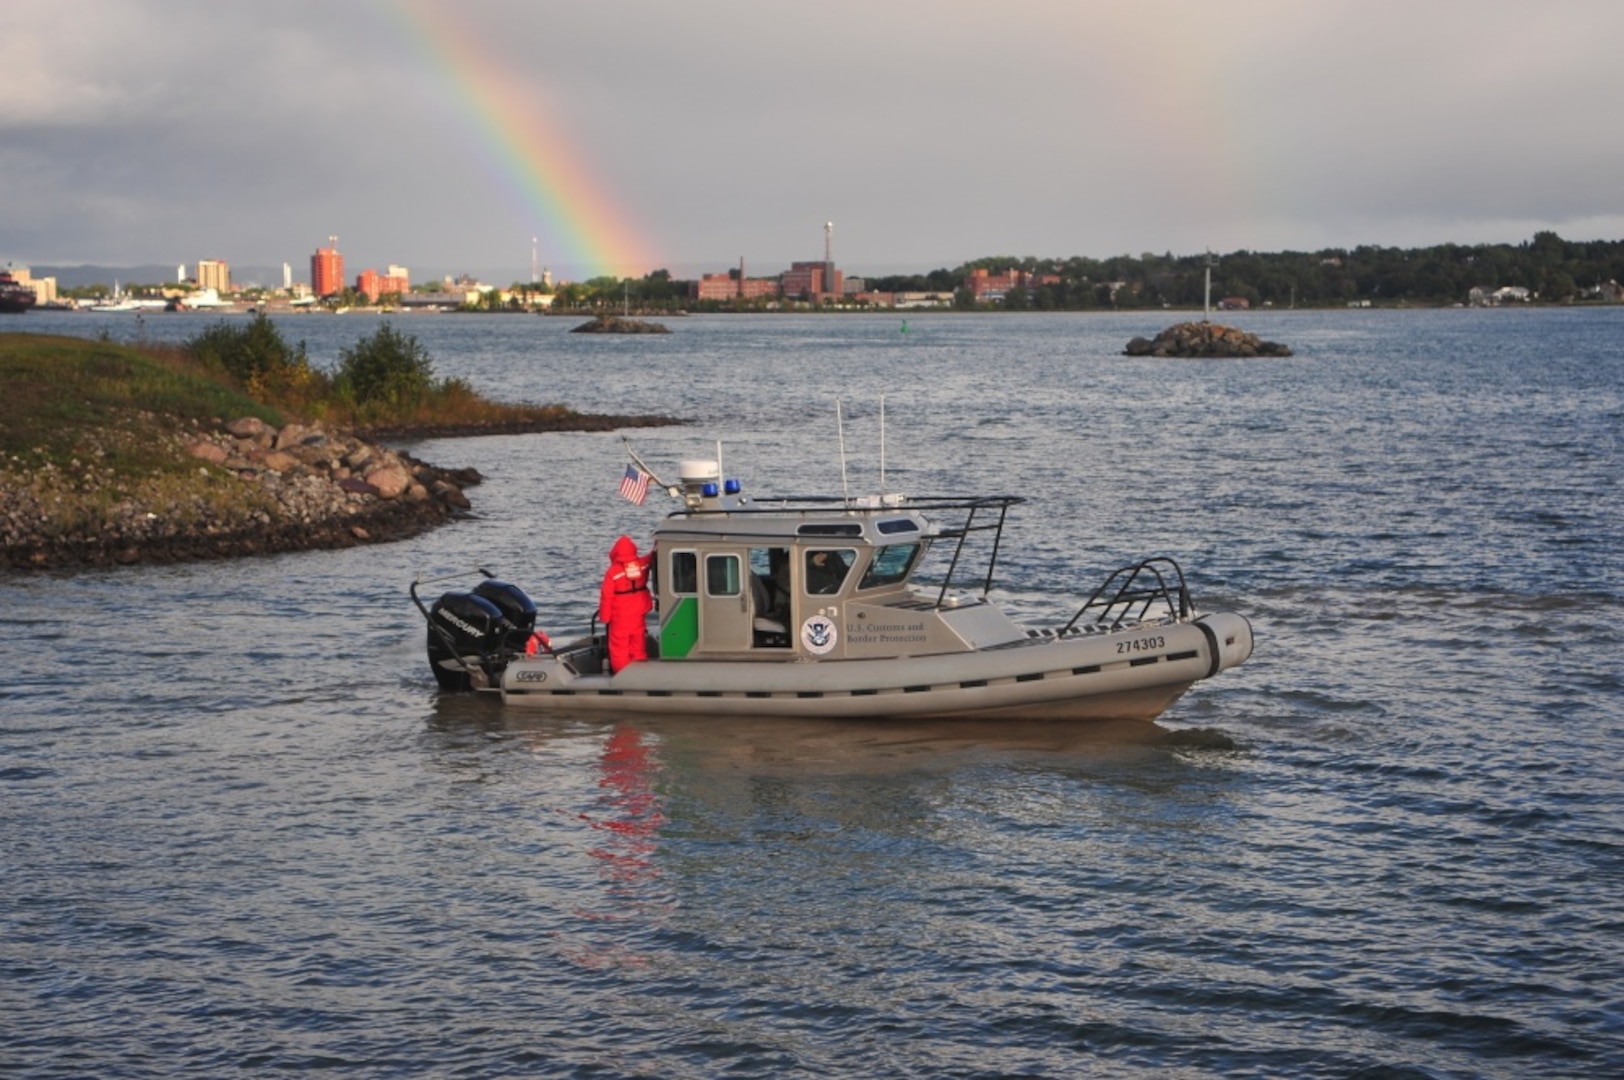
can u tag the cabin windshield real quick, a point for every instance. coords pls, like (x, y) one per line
(889, 566)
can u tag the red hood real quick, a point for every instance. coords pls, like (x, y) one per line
(625, 550)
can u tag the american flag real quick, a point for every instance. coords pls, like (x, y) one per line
(634, 485)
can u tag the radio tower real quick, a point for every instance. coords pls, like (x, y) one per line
(533, 276)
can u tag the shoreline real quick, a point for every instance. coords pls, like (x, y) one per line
(576, 422)
(300, 488)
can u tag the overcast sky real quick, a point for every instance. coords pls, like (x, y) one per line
(930, 132)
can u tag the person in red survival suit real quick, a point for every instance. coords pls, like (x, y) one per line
(623, 602)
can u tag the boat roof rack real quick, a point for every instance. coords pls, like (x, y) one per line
(997, 506)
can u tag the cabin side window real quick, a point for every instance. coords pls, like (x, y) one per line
(684, 573)
(826, 570)
(722, 575)
(889, 565)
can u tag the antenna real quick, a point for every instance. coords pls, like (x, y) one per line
(533, 277)
(840, 431)
(882, 445)
(1206, 299)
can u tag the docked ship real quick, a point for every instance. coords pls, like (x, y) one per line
(827, 606)
(16, 297)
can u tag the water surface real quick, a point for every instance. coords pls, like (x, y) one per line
(240, 831)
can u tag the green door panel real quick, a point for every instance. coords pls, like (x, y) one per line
(680, 630)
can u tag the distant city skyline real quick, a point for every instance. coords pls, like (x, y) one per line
(458, 138)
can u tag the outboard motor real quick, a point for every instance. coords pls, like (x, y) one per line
(516, 608)
(480, 629)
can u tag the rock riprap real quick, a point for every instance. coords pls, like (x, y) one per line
(1204, 339)
(258, 489)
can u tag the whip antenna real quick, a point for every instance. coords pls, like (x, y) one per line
(840, 432)
(882, 444)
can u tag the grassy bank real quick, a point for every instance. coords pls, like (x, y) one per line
(99, 448)
(66, 398)
(385, 382)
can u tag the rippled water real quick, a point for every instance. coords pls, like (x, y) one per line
(241, 833)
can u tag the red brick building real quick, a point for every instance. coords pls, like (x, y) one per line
(371, 284)
(730, 286)
(811, 280)
(990, 286)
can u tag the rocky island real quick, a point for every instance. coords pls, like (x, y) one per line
(616, 324)
(1204, 339)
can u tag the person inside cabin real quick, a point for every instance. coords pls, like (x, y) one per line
(825, 572)
(769, 595)
(623, 601)
(778, 583)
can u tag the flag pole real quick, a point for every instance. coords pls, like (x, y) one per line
(639, 463)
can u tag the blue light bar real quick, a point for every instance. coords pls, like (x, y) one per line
(709, 490)
(730, 487)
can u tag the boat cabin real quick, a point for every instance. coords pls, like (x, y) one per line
(814, 578)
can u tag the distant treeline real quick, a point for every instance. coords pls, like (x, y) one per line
(1553, 270)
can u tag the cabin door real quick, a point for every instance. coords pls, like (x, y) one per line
(725, 614)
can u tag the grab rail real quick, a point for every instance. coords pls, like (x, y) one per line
(1131, 592)
(962, 533)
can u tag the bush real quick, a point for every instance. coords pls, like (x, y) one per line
(260, 360)
(388, 369)
(245, 352)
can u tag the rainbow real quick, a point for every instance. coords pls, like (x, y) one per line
(531, 160)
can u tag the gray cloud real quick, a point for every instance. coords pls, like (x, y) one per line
(929, 132)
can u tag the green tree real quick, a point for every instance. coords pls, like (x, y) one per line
(1560, 287)
(388, 368)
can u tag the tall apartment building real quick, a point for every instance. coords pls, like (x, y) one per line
(214, 274)
(327, 270)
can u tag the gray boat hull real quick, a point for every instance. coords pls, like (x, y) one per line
(1127, 674)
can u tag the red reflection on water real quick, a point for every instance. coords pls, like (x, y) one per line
(626, 820)
(633, 815)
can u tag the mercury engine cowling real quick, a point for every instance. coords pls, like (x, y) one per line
(478, 630)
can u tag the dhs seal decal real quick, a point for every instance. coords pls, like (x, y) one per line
(818, 634)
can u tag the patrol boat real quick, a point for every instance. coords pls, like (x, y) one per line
(870, 607)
